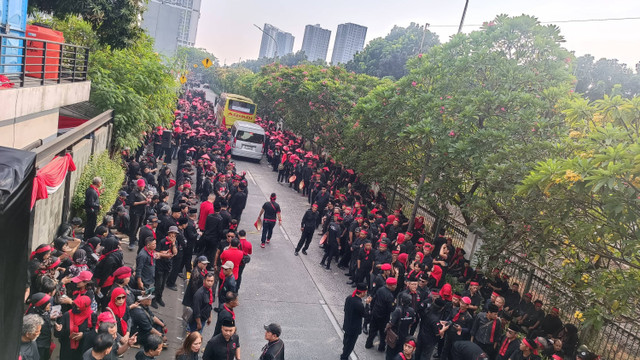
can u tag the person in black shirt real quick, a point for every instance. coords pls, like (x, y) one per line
(271, 211)
(167, 249)
(274, 349)
(92, 206)
(149, 230)
(401, 321)
(146, 265)
(307, 227)
(238, 202)
(145, 323)
(226, 312)
(137, 206)
(152, 348)
(353, 314)
(202, 305)
(382, 305)
(332, 246)
(365, 262)
(466, 350)
(224, 346)
(228, 283)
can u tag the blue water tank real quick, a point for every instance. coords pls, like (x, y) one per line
(13, 21)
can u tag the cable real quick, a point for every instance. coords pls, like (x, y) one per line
(555, 22)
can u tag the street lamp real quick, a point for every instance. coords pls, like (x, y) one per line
(272, 38)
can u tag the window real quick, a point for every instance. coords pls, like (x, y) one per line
(242, 107)
(249, 137)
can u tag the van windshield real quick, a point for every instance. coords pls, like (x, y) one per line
(249, 137)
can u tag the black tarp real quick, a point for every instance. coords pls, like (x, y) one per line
(17, 170)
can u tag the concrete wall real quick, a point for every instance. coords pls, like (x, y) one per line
(162, 22)
(29, 114)
(49, 213)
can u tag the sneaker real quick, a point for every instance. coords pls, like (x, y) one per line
(160, 302)
(262, 246)
(322, 263)
(154, 304)
(295, 253)
(173, 287)
(304, 252)
(268, 241)
(368, 346)
(131, 248)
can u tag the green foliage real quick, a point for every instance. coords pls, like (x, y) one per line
(292, 59)
(115, 22)
(187, 57)
(76, 31)
(388, 56)
(136, 84)
(587, 202)
(112, 175)
(605, 77)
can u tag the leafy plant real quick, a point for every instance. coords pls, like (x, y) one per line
(112, 175)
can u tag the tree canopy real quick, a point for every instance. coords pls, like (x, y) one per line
(605, 77)
(387, 56)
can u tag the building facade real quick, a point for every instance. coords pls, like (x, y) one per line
(172, 23)
(315, 43)
(269, 48)
(349, 40)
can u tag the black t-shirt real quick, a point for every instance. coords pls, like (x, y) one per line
(366, 260)
(163, 245)
(220, 349)
(271, 209)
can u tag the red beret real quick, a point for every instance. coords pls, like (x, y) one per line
(384, 267)
(392, 281)
(122, 272)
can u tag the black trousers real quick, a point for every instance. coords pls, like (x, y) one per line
(305, 239)
(330, 251)
(161, 280)
(377, 328)
(176, 267)
(90, 227)
(267, 230)
(348, 343)
(363, 276)
(239, 281)
(134, 225)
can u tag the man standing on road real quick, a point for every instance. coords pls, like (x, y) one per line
(137, 206)
(307, 226)
(271, 211)
(148, 230)
(353, 314)
(224, 346)
(274, 349)
(92, 206)
(146, 265)
(202, 305)
(247, 250)
(167, 249)
(322, 199)
(382, 306)
(227, 284)
(226, 312)
(206, 208)
(238, 202)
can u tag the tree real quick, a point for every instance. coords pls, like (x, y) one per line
(587, 202)
(189, 60)
(291, 59)
(387, 56)
(599, 78)
(116, 22)
(136, 84)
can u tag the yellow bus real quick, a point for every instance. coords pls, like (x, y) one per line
(232, 107)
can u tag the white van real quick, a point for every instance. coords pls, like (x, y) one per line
(248, 140)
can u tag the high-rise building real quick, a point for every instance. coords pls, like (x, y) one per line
(172, 23)
(316, 42)
(349, 40)
(268, 47)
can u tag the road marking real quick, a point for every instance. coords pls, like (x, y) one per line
(251, 177)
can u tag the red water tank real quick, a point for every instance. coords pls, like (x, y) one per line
(35, 52)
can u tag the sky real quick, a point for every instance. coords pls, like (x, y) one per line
(226, 26)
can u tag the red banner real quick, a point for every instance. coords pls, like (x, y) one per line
(50, 177)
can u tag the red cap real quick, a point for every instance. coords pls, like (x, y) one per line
(495, 294)
(106, 317)
(429, 246)
(384, 267)
(122, 272)
(140, 182)
(474, 283)
(392, 281)
(466, 300)
(83, 276)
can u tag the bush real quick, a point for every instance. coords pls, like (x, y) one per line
(112, 175)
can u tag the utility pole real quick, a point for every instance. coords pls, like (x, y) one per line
(272, 38)
(424, 33)
(464, 13)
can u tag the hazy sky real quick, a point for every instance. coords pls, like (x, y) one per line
(226, 26)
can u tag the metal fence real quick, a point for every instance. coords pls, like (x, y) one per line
(618, 339)
(34, 62)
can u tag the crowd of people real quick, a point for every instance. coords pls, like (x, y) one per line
(413, 291)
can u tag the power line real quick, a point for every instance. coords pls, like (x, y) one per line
(555, 22)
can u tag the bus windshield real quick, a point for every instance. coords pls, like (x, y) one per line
(249, 137)
(242, 107)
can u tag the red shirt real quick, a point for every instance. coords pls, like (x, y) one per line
(206, 208)
(246, 246)
(235, 255)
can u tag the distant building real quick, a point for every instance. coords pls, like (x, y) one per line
(315, 43)
(349, 40)
(268, 47)
(172, 23)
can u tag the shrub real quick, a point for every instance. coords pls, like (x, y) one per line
(112, 175)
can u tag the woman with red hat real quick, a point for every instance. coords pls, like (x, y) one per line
(76, 323)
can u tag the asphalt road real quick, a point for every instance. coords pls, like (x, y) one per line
(294, 291)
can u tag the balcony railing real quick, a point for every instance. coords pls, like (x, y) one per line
(34, 62)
